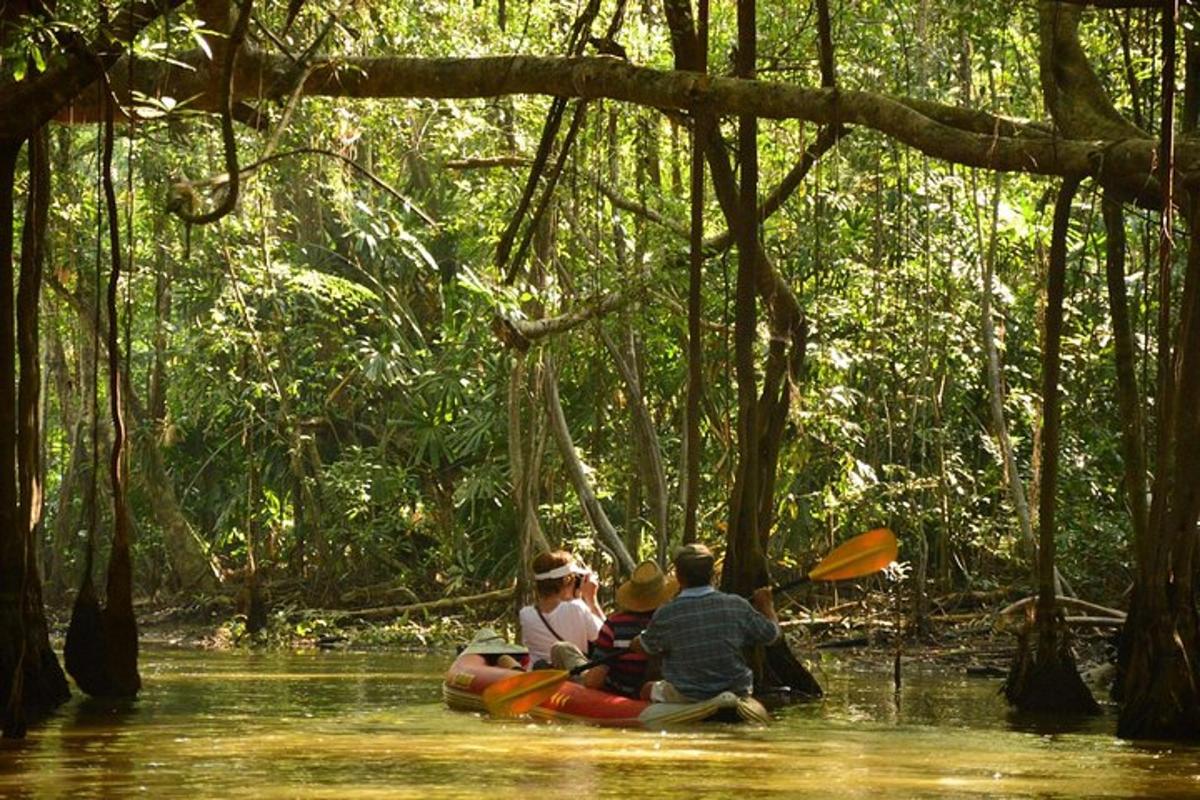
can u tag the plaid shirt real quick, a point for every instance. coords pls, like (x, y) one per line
(700, 635)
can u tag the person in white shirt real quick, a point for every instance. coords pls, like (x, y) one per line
(565, 609)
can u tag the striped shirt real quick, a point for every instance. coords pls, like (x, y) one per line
(701, 635)
(627, 674)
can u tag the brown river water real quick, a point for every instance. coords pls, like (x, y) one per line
(372, 725)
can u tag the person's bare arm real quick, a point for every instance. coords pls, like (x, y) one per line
(587, 593)
(763, 601)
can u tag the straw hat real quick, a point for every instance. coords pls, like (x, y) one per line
(646, 589)
(489, 643)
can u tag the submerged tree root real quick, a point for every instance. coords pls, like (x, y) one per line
(1157, 685)
(1046, 678)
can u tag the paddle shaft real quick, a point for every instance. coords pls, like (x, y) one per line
(608, 659)
(792, 584)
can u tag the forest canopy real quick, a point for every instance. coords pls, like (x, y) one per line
(407, 292)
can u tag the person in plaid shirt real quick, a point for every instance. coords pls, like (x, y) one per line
(702, 633)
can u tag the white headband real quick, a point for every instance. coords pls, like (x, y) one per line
(557, 572)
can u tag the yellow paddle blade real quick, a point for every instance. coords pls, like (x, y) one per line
(521, 691)
(866, 553)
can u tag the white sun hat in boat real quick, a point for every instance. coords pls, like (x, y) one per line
(487, 642)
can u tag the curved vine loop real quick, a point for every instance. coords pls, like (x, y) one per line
(236, 37)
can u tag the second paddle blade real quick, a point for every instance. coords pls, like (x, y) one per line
(520, 692)
(864, 554)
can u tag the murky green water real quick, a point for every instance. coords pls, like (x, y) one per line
(340, 725)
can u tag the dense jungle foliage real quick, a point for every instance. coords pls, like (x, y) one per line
(330, 341)
(394, 313)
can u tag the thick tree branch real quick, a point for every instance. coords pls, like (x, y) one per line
(28, 104)
(1125, 165)
(1073, 92)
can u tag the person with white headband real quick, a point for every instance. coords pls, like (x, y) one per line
(565, 609)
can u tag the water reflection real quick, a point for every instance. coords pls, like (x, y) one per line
(344, 725)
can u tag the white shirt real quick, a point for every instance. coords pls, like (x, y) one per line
(572, 620)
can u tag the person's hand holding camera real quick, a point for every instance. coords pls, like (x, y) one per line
(587, 586)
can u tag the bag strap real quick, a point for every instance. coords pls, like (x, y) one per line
(546, 622)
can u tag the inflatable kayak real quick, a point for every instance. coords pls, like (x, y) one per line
(469, 675)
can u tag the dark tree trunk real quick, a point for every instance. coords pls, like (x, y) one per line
(695, 360)
(1158, 663)
(120, 624)
(1045, 678)
(1132, 434)
(31, 681)
(745, 564)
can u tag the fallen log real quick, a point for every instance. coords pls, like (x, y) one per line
(386, 612)
(1101, 622)
(1066, 601)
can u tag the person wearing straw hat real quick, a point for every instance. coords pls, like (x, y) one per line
(637, 598)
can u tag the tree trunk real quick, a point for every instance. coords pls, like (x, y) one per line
(695, 351)
(1158, 665)
(745, 563)
(1127, 389)
(120, 624)
(31, 682)
(1047, 678)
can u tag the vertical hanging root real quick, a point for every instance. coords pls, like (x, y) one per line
(101, 648)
